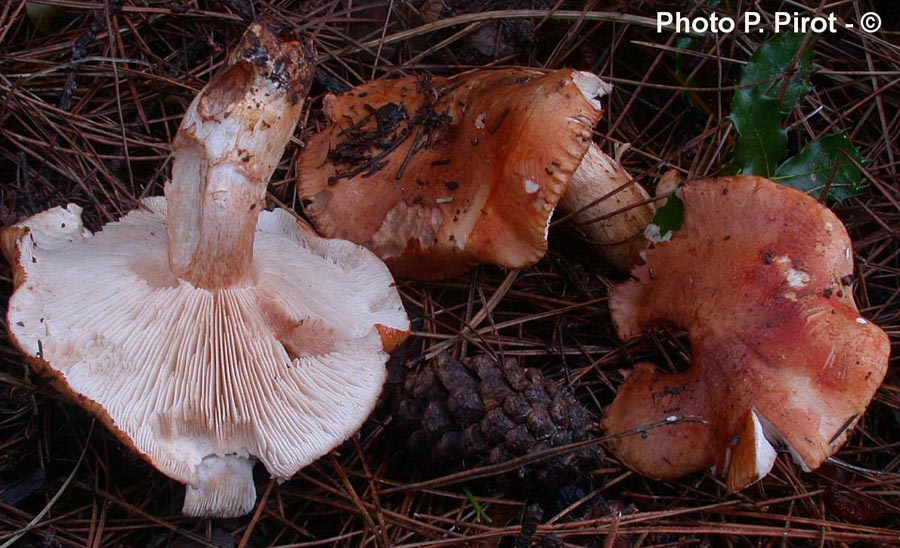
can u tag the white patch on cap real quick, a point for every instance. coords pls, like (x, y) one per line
(421, 223)
(460, 241)
(795, 278)
(481, 120)
(531, 187)
(862, 321)
(591, 86)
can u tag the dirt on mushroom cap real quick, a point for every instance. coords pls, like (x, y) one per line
(449, 172)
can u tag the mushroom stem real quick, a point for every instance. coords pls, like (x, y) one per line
(229, 143)
(609, 207)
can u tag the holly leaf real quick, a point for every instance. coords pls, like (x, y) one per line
(779, 71)
(773, 83)
(829, 164)
(762, 142)
(667, 219)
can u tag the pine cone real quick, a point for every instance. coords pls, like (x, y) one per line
(481, 411)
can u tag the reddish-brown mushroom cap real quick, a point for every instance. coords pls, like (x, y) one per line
(435, 175)
(757, 276)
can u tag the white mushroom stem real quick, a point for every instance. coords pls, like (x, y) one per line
(227, 147)
(609, 207)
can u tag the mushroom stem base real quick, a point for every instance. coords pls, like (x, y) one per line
(225, 490)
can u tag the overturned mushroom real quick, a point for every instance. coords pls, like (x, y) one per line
(207, 334)
(757, 276)
(437, 174)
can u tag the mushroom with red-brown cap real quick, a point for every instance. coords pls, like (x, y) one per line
(205, 333)
(780, 353)
(437, 174)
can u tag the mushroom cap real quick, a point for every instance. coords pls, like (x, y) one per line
(200, 382)
(778, 346)
(437, 174)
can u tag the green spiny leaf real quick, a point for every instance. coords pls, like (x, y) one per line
(667, 219)
(762, 142)
(778, 70)
(828, 163)
(773, 83)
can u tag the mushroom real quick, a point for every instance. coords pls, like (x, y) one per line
(205, 333)
(451, 172)
(780, 353)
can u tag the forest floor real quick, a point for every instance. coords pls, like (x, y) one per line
(91, 94)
